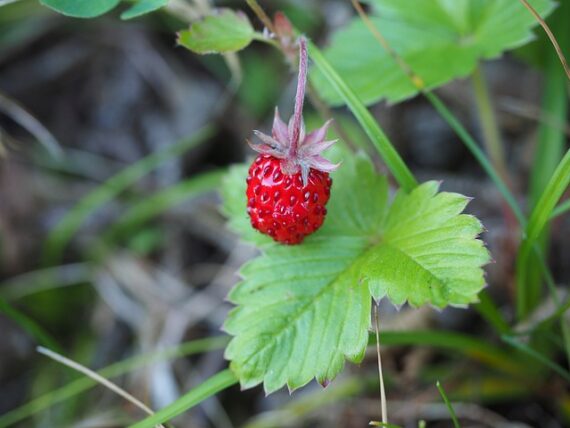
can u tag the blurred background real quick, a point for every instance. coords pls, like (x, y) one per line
(113, 141)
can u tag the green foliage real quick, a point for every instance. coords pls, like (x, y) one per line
(30, 326)
(161, 201)
(224, 31)
(539, 218)
(211, 386)
(551, 138)
(81, 8)
(302, 310)
(428, 252)
(143, 7)
(66, 228)
(381, 142)
(262, 82)
(440, 41)
(546, 361)
(561, 209)
(473, 348)
(128, 365)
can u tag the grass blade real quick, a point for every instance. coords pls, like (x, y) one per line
(539, 218)
(29, 283)
(96, 377)
(556, 187)
(490, 313)
(563, 208)
(28, 325)
(476, 151)
(537, 356)
(488, 121)
(468, 140)
(27, 121)
(163, 200)
(469, 346)
(83, 384)
(68, 226)
(393, 161)
(211, 386)
(551, 139)
(448, 404)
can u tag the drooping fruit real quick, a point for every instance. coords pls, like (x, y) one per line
(281, 205)
(288, 184)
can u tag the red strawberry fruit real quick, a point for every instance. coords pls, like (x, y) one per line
(288, 184)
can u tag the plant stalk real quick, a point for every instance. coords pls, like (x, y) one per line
(263, 17)
(489, 126)
(295, 131)
(550, 143)
(383, 405)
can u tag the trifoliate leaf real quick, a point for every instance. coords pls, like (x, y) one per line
(223, 31)
(440, 40)
(300, 314)
(302, 310)
(81, 8)
(143, 7)
(426, 251)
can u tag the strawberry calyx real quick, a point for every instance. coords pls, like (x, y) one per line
(297, 151)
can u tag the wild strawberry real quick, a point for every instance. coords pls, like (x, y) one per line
(288, 184)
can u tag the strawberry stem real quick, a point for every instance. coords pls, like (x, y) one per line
(299, 98)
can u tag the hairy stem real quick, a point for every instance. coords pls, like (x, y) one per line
(295, 131)
(314, 98)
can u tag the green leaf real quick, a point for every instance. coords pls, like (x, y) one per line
(427, 251)
(81, 8)
(224, 31)
(302, 310)
(143, 7)
(440, 40)
(300, 314)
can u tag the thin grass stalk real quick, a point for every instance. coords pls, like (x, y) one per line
(97, 378)
(80, 385)
(550, 143)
